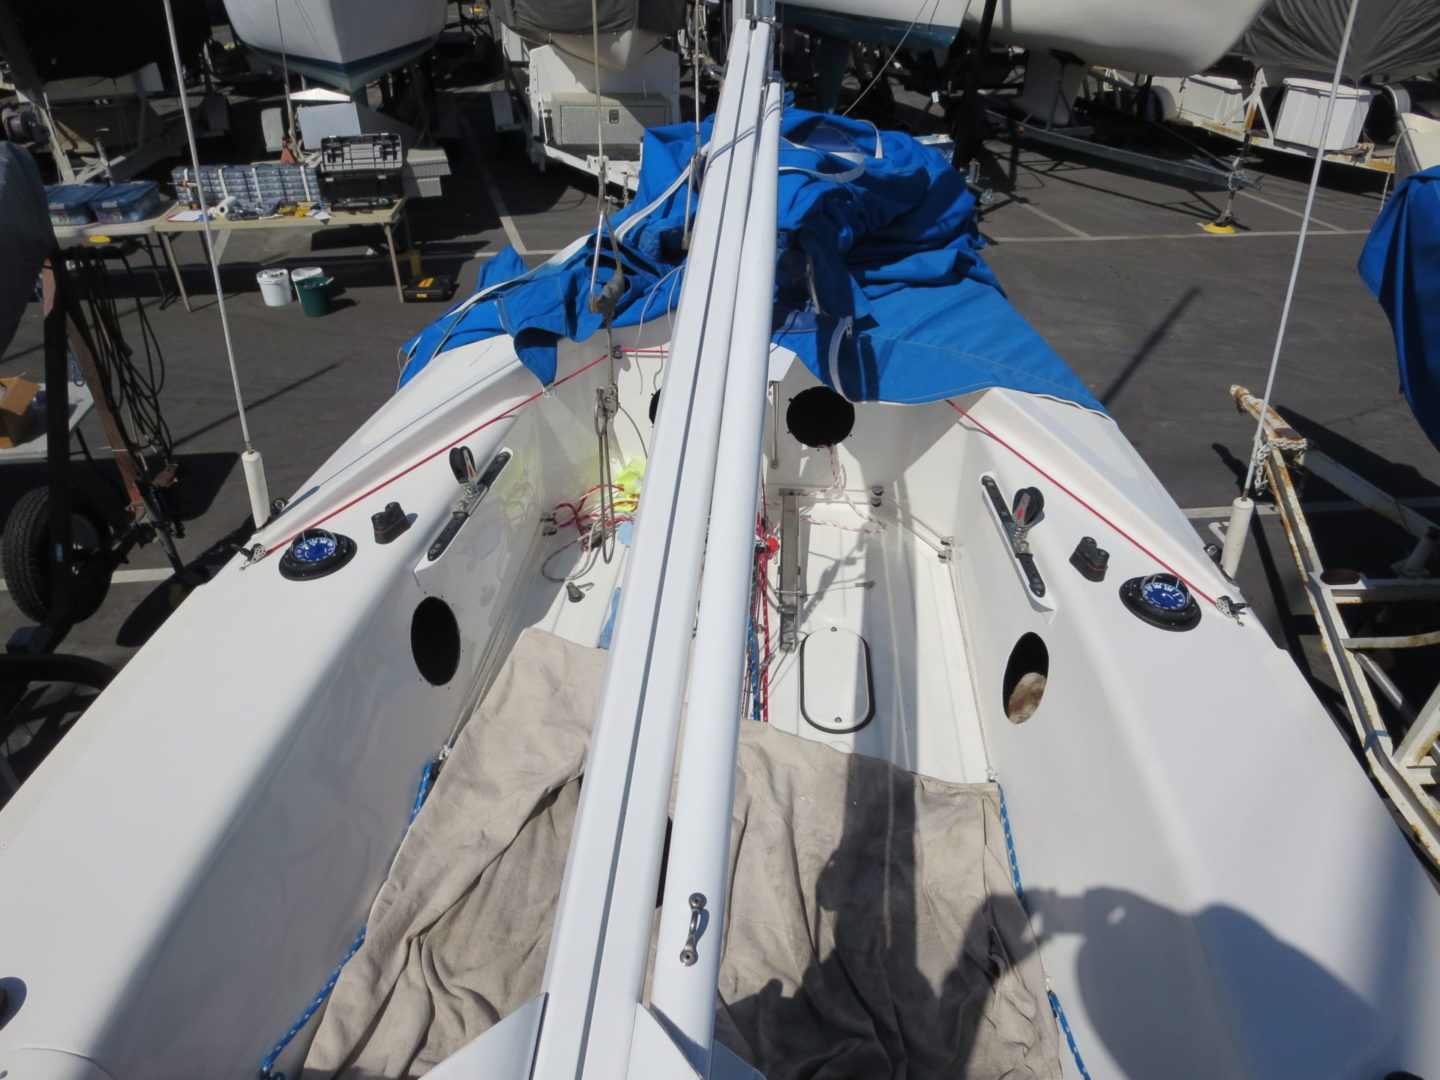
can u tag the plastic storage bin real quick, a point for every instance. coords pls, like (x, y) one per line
(1216, 98)
(70, 204)
(1418, 147)
(1302, 114)
(249, 184)
(134, 201)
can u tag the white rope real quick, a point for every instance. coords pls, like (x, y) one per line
(285, 74)
(205, 222)
(697, 25)
(1256, 448)
(603, 168)
(896, 50)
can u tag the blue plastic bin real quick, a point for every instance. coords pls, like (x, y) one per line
(120, 203)
(70, 204)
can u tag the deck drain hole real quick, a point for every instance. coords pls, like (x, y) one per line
(435, 641)
(1025, 677)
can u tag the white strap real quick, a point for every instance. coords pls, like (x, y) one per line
(842, 331)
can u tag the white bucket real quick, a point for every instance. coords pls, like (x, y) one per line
(300, 273)
(274, 287)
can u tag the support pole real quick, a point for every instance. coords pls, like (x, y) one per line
(699, 862)
(599, 949)
(1241, 511)
(966, 125)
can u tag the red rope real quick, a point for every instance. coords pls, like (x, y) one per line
(580, 519)
(762, 579)
(1122, 533)
(765, 657)
(432, 456)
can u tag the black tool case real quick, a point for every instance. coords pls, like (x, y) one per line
(361, 171)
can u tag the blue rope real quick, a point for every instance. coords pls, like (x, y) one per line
(427, 781)
(1020, 892)
(269, 1063)
(1069, 1035)
(427, 778)
(1010, 846)
(755, 710)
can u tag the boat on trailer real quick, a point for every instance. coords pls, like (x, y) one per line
(346, 45)
(1271, 91)
(917, 730)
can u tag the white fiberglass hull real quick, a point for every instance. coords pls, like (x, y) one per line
(1173, 37)
(1216, 889)
(342, 43)
(1209, 884)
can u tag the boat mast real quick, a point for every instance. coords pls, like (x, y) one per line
(718, 355)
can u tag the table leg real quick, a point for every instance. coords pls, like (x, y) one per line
(165, 297)
(394, 260)
(167, 243)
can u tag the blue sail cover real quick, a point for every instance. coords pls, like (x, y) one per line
(880, 288)
(1401, 265)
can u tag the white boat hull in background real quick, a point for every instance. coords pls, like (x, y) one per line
(1172, 37)
(342, 43)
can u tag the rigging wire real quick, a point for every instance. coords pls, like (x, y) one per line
(285, 70)
(254, 469)
(896, 50)
(1258, 446)
(697, 25)
(602, 167)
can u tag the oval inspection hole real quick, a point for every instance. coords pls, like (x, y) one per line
(435, 640)
(1025, 676)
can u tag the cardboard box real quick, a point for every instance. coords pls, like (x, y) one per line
(16, 395)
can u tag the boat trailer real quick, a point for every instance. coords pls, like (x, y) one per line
(1398, 742)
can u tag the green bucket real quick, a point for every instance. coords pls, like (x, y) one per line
(315, 295)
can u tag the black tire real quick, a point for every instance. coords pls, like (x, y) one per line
(23, 555)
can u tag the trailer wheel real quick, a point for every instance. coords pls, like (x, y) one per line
(23, 549)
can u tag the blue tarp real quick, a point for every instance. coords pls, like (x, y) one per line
(1401, 265)
(879, 280)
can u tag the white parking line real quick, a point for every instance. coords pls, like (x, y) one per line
(1288, 210)
(1074, 232)
(128, 577)
(1167, 236)
(501, 211)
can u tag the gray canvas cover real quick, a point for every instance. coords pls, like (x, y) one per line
(1394, 38)
(25, 235)
(872, 928)
(539, 18)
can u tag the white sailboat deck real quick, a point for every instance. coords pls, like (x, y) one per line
(881, 583)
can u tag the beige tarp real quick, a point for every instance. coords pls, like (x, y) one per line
(872, 927)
